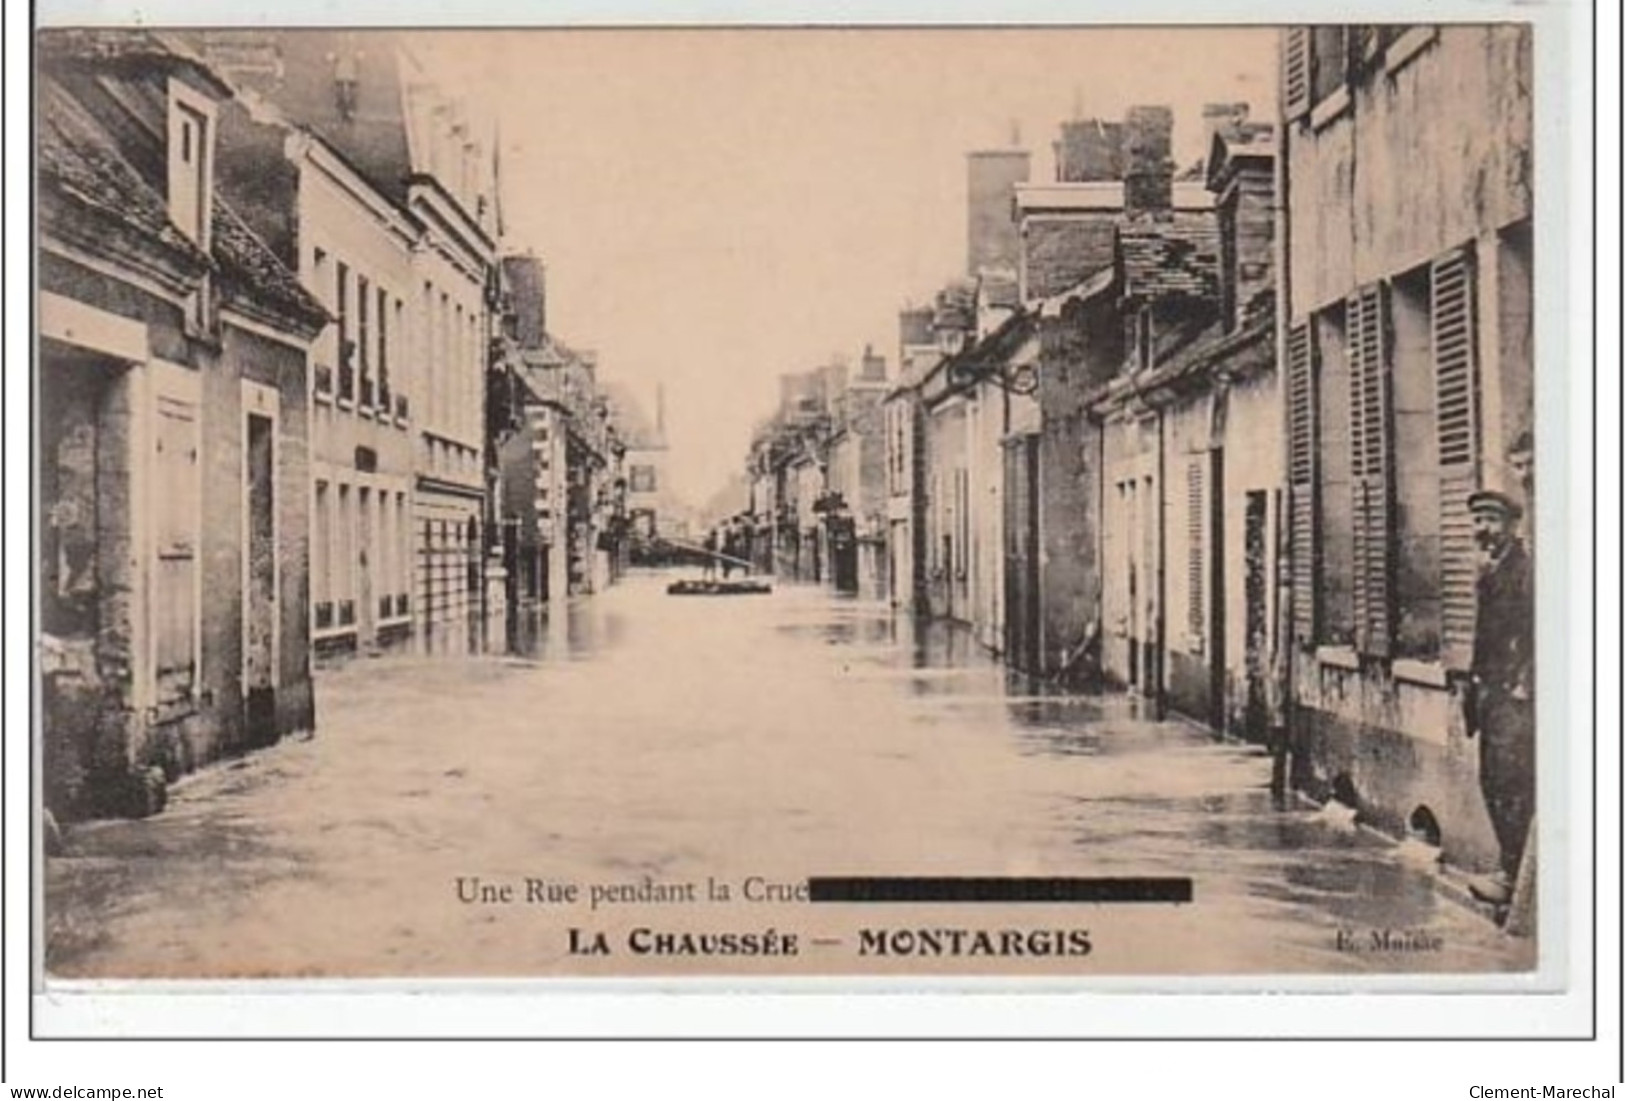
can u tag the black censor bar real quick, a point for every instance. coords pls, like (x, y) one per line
(998, 889)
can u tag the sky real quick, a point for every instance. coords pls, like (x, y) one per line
(718, 207)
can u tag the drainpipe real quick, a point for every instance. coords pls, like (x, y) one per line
(1160, 623)
(1282, 713)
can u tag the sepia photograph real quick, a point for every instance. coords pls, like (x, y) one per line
(782, 503)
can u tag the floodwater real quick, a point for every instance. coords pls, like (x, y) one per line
(460, 816)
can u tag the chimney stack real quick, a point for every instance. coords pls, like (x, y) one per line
(992, 237)
(1090, 150)
(874, 367)
(1148, 166)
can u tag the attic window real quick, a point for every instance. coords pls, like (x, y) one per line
(191, 157)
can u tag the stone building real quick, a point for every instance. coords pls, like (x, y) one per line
(1407, 358)
(393, 216)
(172, 371)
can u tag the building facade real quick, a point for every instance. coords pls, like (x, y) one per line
(1407, 356)
(172, 370)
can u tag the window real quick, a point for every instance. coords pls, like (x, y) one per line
(1416, 469)
(1334, 487)
(344, 559)
(1328, 60)
(321, 558)
(346, 347)
(363, 339)
(1384, 443)
(383, 351)
(403, 561)
(642, 478)
(189, 156)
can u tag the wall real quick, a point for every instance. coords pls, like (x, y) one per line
(1426, 157)
(1060, 251)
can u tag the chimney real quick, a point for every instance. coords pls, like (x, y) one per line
(992, 237)
(1221, 118)
(914, 326)
(874, 367)
(526, 278)
(1243, 183)
(1089, 150)
(1148, 166)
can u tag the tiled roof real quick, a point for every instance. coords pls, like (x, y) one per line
(80, 162)
(1174, 256)
(248, 269)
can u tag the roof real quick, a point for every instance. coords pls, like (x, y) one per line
(78, 160)
(1091, 287)
(1246, 141)
(1163, 257)
(132, 50)
(82, 162)
(248, 269)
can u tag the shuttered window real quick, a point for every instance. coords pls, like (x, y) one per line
(176, 521)
(1370, 441)
(1301, 464)
(1455, 369)
(1194, 558)
(1295, 72)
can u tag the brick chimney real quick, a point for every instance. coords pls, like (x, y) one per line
(527, 287)
(1148, 166)
(1089, 150)
(874, 366)
(1242, 179)
(1221, 118)
(914, 326)
(992, 238)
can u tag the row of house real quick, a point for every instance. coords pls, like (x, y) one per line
(281, 357)
(1209, 434)
(816, 468)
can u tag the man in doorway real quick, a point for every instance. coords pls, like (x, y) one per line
(1501, 697)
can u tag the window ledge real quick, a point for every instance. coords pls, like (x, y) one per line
(1339, 657)
(1330, 109)
(395, 621)
(1407, 46)
(332, 632)
(322, 397)
(1412, 671)
(345, 403)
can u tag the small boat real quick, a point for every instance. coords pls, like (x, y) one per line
(690, 587)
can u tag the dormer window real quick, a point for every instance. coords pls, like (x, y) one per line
(191, 161)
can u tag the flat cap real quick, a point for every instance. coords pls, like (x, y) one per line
(1493, 500)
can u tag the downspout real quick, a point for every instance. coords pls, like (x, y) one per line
(1282, 717)
(1160, 623)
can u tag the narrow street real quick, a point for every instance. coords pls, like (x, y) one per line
(648, 738)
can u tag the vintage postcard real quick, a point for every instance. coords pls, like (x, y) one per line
(996, 503)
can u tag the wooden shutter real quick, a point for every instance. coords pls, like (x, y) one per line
(1370, 438)
(1455, 371)
(1295, 73)
(1194, 529)
(1302, 442)
(175, 563)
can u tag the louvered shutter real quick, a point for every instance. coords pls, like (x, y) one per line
(175, 559)
(1194, 550)
(1295, 73)
(1301, 446)
(1370, 438)
(1455, 370)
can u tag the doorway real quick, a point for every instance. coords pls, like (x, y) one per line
(259, 580)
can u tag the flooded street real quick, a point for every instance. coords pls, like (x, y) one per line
(647, 740)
